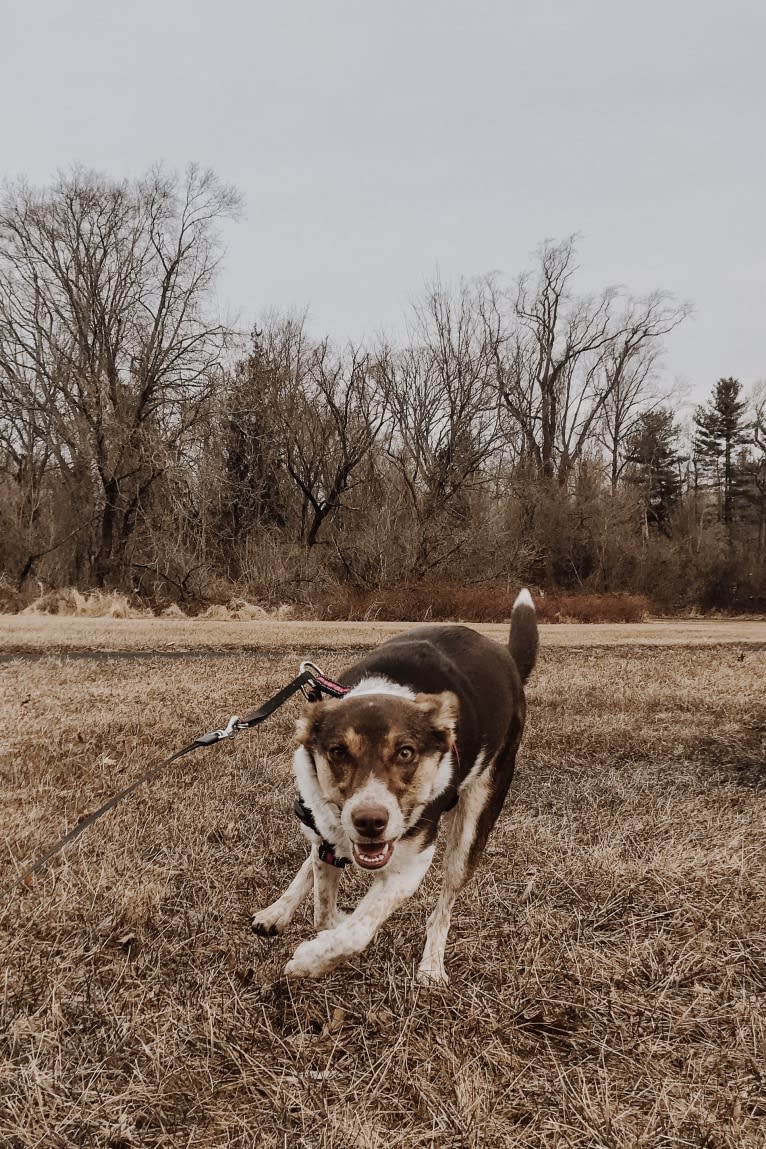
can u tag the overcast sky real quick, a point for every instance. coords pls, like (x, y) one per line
(377, 144)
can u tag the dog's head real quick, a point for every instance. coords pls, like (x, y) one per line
(380, 759)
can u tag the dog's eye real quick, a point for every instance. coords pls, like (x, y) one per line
(338, 752)
(406, 753)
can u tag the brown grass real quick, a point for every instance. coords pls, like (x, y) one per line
(418, 602)
(441, 602)
(112, 604)
(88, 604)
(607, 964)
(21, 634)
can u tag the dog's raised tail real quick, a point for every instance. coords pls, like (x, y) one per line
(524, 640)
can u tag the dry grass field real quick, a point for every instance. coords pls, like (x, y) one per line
(61, 634)
(608, 963)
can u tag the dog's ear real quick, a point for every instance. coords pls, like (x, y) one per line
(441, 709)
(309, 722)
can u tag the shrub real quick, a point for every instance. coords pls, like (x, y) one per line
(444, 602)
(92, 604)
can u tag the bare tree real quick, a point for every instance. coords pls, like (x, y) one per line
(759, 424)
(441, 391)
(321, 413)
(566, 356)
(628, 364)
(106, 351)
(550, 389)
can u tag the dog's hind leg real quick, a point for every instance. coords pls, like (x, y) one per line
(279, 914)
(469, 826)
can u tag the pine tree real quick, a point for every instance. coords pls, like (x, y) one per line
(751, 488)
(721, 430)
(653, 465)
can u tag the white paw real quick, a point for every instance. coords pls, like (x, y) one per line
(432, 974)
(312, 959)
(271, 921)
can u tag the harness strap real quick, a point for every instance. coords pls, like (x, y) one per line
(320, 684)
(326, 849)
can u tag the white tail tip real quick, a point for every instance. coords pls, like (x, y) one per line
(524, 598)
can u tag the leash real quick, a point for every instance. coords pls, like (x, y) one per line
(310, 681)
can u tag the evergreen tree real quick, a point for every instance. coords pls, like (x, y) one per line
(721, 430)
(654, 465)
(751, 484)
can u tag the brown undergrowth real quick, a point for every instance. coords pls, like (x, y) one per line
(440, 602)
(607, 963)
(421, 602)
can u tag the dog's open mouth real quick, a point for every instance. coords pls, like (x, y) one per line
(372, 855)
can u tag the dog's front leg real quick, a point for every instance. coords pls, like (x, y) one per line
(389, 890)
(326, 880)
(279, 914)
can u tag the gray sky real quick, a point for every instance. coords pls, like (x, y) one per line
(378, 143)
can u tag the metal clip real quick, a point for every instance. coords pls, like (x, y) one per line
(230, 729)
(310, 690)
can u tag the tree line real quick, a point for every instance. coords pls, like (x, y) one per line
(514, 435)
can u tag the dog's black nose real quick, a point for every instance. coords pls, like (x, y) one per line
(370, 821)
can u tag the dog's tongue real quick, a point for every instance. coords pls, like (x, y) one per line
(372, 856)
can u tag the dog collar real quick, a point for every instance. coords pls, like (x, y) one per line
(326, 849)
(328, 855)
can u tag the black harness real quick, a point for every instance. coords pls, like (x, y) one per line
(326, 849)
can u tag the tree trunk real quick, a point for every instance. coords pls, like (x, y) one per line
(103, 565)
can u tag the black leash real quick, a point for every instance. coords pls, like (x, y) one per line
(310, 680)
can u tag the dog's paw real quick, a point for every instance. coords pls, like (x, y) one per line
(312, 959)
(432, 975)
(295, 968)
(269, 923)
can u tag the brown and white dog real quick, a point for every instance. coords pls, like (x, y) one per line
(428, 731)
